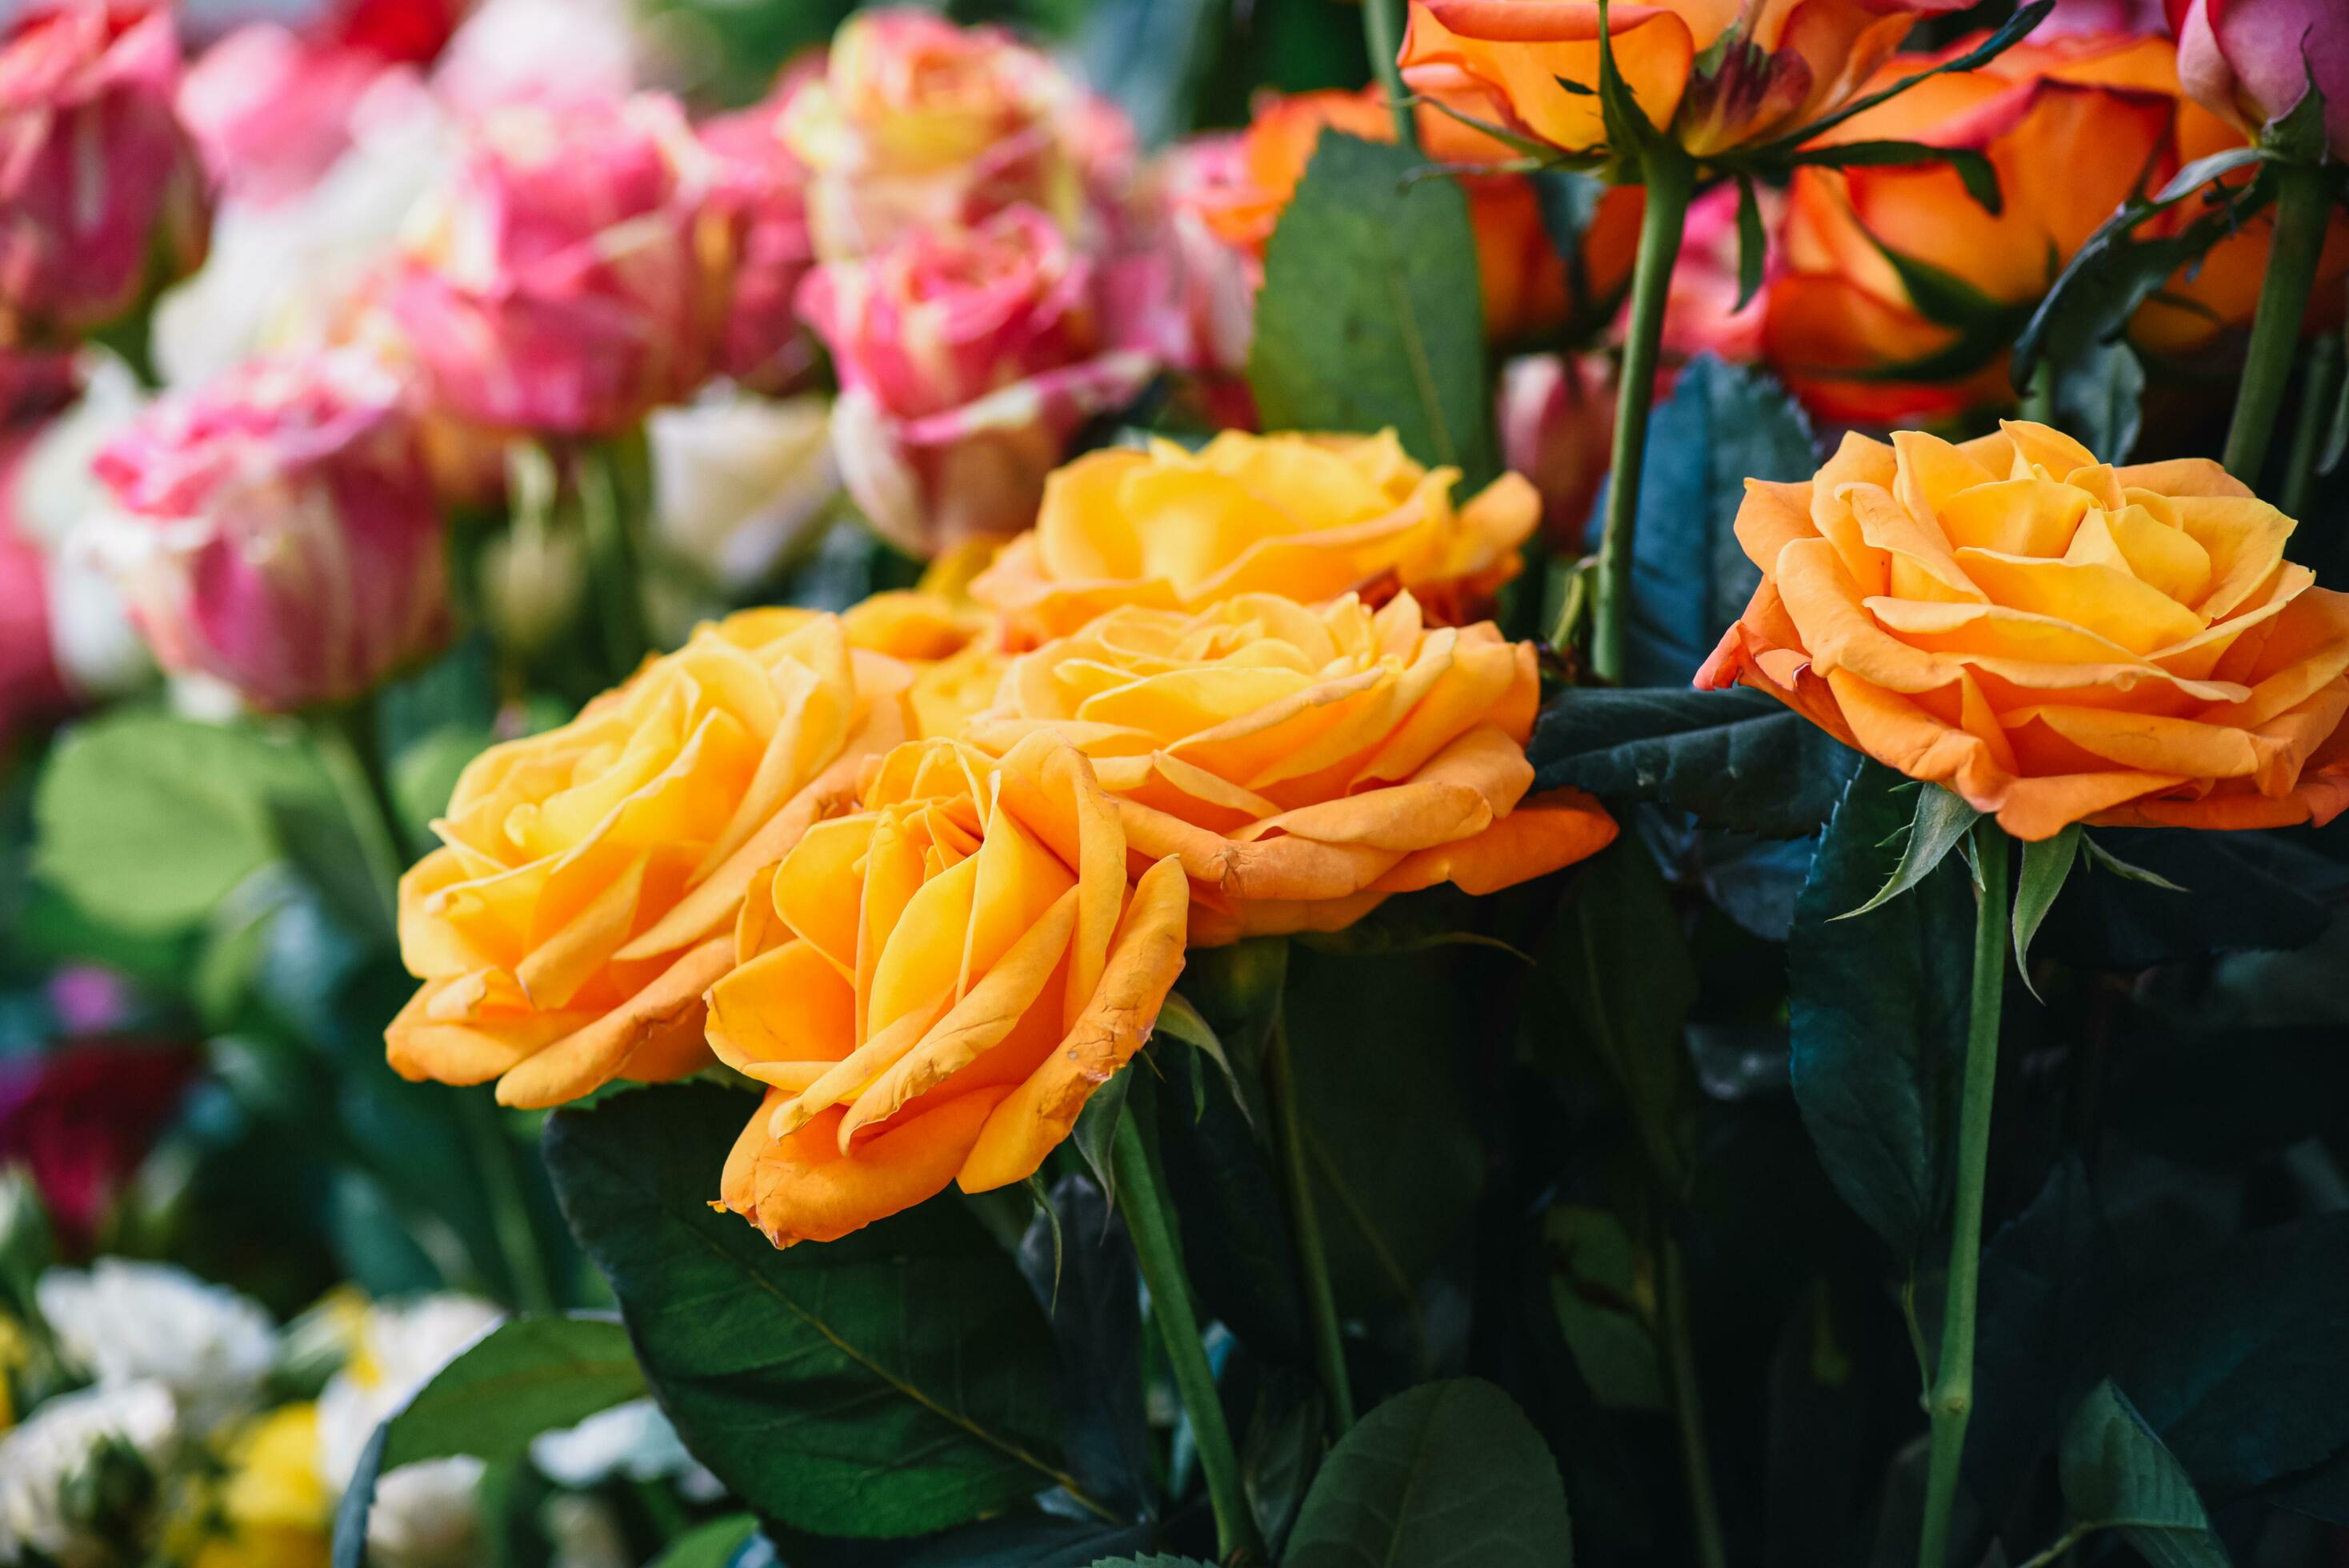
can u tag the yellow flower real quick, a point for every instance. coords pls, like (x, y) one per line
(1306, 517)
(933, 986)
(2056, 639)
(273, 1510)
(1303, 764)
(579, 904)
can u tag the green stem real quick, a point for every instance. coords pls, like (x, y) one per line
(1671, 181)
(495, 1153)
(1950, 1402)
(1687, 1406)
(612, 527)
(345, 740)
(132, 341)
(1305, 1221)
(2308, 430)
(2303, 204)
(1385, 38)
(1160, 1255)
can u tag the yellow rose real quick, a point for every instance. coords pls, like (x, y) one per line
(579, 904)
(1306, 517)
(273, 1509)
(933, 986)
(2056, 639)
(1302, 764)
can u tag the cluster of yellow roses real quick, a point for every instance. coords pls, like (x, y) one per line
(926, 869)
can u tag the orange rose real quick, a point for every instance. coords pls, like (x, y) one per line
(1526, 289)
(932, 987)
(2075, 127)
(1306, 517)
(1303, 764)
(2056, 639)
(1717, 76)
(578, 907)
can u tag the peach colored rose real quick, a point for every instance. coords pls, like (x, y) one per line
(1303, 764)
(589, 877)
(933, 986)
(1308, 517)
(2056, 639)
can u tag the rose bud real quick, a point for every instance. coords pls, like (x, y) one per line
(588, 878)
(2251, 62)
(763, 186)
(282, 534)
(103, 202)
(2056, 639)
(932, 987)
(576, 276)
(917, 124)
(1308, 517)
(1557, 419)
(1303, 764)
(83, 1117)
(967, 359)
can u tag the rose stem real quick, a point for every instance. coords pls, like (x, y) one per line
(1950, 1402)
(1688, 1408)
(499, 1160)
(2301, 205)
(1160, 1255)
(1671, 178)
(2308, 430)
(1385, 39)
(612, 566)
(1305, 1222)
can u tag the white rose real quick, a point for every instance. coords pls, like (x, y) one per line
(126, 1322)
(42, 1461)
(737, 479)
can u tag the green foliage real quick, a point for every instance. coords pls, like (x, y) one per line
(820, 1382)
(2117, 1475)
(1735, 758)
(1370, 314)
(1449, 1475)
(1943, 819)
(527, 1376)
(710, 1546)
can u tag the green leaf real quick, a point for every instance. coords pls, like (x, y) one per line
(1594, 1287)
(1631, 137)
(1617, 956)
(2099, 387)
(2102, 859)
(1370, 315)
(710, 1546)
(1876, 1010)
(821, 1382)
(1154, 1561)
(147, 821)
(1181, 1021)
(1448, 1475)
(2045, 864)
(1736, 758)
(1752, 242)
(1942, 819)
(358, 1501)
(1979, 177)
(527, 1376)
(2116, 1475)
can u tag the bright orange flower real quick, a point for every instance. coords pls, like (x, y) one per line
(1526, 287)
(933, 987)
(1902, 294)
(1308, 517)
(578, 905)
(2056, 639)
(1304, 764)
(1719, 74)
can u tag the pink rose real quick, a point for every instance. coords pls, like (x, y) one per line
(284, 535)
(762, 185)
(1217, 280)
(967, 359)
(576, 276)
(2251, 61)
(31, 687)
(102, 197)
(35, 383)
(83, 1117)
(1701, 314)
(1557, 422)
(273, 111)
(918, 123)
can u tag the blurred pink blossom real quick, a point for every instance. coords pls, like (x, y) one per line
(762, 185)
(82, 1117)
(2252, 61)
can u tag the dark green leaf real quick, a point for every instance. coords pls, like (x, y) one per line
(1752, 242)
(358, 1501)
(1942, 819)
(2045, 864)
(816, 1381)
(2248, 890)
(1081, 1266)
(2230, 1095)
(2099, 387)
(1152, 1561)
(1281, 1449)
(1097, 1124)
(1593, 1283)
(2102, 859)
(710, 1546)
(1736, 758)
(2116, 1475)
(528, 1376)
(1370, 315)
(1981, 179)
(1220, 1177)
(1023, 1540)
(1633, 138)
(1178, 1020)
(1878, 1011)
(1449, 1475)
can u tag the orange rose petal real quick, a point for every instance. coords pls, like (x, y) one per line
(594, 1056)
(1546, 833)
(802, 1189)
(789, 1005)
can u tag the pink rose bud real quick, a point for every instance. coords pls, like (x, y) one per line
(763, 186)
(2251, 61)
(102, 198)
(1557, 422)
(918, 123)
(576, 276)
(967, 359)
(282, 535)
